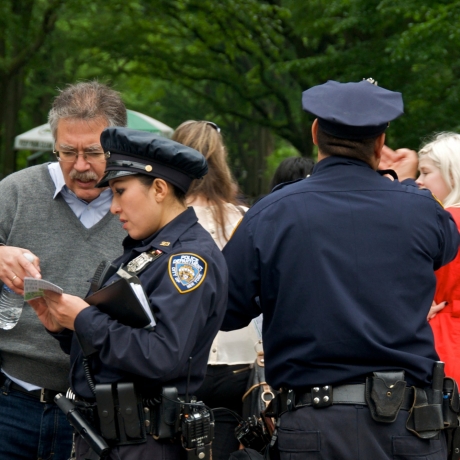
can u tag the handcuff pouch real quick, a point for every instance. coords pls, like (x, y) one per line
(385, 395)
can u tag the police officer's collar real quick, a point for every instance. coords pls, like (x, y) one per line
(336, 160)
(166, 237)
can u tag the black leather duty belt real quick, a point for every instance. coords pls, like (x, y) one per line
(326, 395)
(44, 395)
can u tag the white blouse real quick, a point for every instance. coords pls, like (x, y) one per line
(233, 347)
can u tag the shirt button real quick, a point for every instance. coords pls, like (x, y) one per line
(214, 350)
(211, 232)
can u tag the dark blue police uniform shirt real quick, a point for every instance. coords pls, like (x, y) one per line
(187, 322)
(343, 264)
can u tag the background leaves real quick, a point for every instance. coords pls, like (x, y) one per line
(240, 63)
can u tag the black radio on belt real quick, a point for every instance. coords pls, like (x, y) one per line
(197, 432)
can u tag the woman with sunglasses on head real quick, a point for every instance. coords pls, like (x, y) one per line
(214, 200)
(439, 166)
(127, 371)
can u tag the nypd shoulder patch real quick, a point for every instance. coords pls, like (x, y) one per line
(187, 271)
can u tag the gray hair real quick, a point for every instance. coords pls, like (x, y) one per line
(88, 101)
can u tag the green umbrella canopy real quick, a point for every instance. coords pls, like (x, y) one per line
(143, 122)
(41, 139)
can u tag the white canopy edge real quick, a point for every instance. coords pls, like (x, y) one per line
(39, 138)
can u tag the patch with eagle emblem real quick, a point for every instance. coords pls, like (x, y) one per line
(187, 271)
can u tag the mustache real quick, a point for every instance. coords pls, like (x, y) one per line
(85, 176)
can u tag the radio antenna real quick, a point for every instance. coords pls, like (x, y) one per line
(187, 398)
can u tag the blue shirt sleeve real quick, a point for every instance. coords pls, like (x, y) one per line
(243, 278)
(163, 353)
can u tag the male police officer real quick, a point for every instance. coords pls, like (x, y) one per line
(343, 265)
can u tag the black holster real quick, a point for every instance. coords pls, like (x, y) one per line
(453, 443)
(435, 408)
(451, 409)
(425, 417)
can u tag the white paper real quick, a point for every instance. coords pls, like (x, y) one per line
(33, 288)
(257, 323)
(140, 294)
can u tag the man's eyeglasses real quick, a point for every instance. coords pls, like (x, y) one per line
(211, 123)
(90, 157)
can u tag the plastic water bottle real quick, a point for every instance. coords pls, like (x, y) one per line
(10, 308)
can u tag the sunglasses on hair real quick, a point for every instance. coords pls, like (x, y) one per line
(211, 123)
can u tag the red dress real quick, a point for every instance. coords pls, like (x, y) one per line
(446, 324)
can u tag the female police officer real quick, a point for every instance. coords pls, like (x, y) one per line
(181, 271)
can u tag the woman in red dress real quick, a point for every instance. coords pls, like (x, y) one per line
(439, 166)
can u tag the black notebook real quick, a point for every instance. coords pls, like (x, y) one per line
(125, 301)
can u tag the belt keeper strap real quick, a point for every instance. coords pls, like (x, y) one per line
(321, 396)
(290, 400)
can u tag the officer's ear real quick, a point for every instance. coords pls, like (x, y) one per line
(314, 131)
(160, 189)
(378, 146)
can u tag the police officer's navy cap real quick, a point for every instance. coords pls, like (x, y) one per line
(141, 152)
(353, 110)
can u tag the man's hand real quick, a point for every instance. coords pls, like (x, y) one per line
(435, 308)
(15, 266)
(403, 161)
(64, 307)
(44, 315)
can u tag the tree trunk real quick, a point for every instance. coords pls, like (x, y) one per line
(12, 91)
(253, 160)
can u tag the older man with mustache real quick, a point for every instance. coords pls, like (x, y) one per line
(55, 215)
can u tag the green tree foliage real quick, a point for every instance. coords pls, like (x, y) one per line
(251, 59)
(24, 28)
(244, 63)
(425, 56)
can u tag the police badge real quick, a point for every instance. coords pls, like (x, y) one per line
(141, 261)
(187, 271)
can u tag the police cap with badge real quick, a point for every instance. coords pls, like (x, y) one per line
(140, 152)
(353, 111)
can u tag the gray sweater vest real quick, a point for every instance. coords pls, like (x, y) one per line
(69, 254)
